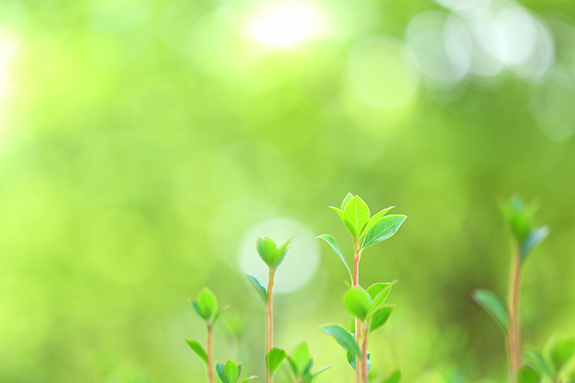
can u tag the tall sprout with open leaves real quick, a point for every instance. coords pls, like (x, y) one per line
(365, 230)
(206, 306)
(273, 256)
(526, 236)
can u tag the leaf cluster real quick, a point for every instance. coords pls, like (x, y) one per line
(554, 364)
(230, 372)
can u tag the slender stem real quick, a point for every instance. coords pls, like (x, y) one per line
(210, 356)
(269, 321)
(356, 258)
(364, 353)
(514, 336)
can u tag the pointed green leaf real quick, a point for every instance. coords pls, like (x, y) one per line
(357, 301)
(250, 378)
(300, 359)
(376, 218)
(345, 201)
(274, 359)
(356, 216)
(267, 250)
(379, 318)
(262, 292)
(494, 305)
(527, 375)
(221, 373)
(539, 363)
(197, 309)
(198, 349)
(395, 377)
(281, 252)
(519, 216)
(562, 352)
(207, 303)
(219, 312)
(332, 242)
(383, 229)
(351, 359)
(532, 240)
(339, 212)
(231, 371)
(379, 293)
(344, 338)
(320, 370)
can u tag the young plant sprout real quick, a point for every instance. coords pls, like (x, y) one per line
(526, 237)
(301, 365)
(206, 306)
(365, 305)
(230, 372)
(273, 257)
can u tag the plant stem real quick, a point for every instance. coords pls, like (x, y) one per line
(356, 258)
(364, 353)
(210, 356)
(269, 321)
(514, 337)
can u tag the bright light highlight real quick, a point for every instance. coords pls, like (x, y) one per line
(286, 24)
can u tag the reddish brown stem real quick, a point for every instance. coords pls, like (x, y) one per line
(514, 336)
(269, 321)
(210, 356)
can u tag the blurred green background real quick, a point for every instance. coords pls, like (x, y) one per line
(145, 144)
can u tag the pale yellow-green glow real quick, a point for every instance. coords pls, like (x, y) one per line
(282, 25)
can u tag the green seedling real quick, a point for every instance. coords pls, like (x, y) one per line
(301, 364)
(365, 230)
(526, 237)
(273, 256)
(230, 372)
(206, 306)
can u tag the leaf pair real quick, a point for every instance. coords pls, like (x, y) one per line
(519, 216)
(301, 364)
(364, 304)
(206, 306)
(270, 253)
(230, 372)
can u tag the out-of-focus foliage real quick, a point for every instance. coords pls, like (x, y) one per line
(145, 144)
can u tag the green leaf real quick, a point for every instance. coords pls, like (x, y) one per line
(250, 378)
(345, 201)
(274, 359)
(351, 359)
(332, 242)
(357, 301)
(206, 304)
(231, 371)
(198, 349)
(379, 293)
(562, 352)
(376, 218)
(267, 250)
(262, 292)
(379, 318)
(395, 377)
(539, 363)
(221, 373)
(383, 229)
(356, 216)
(527, 375)
(519, 216)
(339, 212)
(219, 312)
(300, 359)
(197, 309)
(282, 251)
(344, 338)
(534, 238)
(494, 305)
(320, 370)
